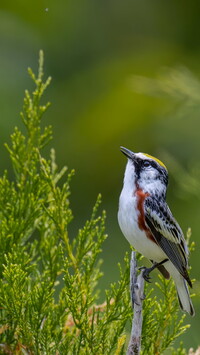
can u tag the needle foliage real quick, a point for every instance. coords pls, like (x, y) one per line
(49, 298)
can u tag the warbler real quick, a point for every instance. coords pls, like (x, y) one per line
(148, 224)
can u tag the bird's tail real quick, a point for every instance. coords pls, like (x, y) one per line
(183, 296)
(182, 289)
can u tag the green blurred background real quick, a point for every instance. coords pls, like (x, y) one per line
(124, 73)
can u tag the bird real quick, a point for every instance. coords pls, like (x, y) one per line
(148, 223)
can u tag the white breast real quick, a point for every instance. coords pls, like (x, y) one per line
(128, 222)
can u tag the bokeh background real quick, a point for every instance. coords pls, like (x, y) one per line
(123, 73)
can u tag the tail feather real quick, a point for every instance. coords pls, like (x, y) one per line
(184, 297)
(182, 289)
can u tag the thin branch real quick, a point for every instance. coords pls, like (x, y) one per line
(137, 297)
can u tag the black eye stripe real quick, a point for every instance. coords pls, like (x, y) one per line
(139, 165)
(146, 163)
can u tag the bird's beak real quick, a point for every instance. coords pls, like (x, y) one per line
(129, 154)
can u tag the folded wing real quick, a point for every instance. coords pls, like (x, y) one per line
(167, 234)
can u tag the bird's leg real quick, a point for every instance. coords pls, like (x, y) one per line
(146, 271)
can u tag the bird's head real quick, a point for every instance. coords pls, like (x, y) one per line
(145, 172)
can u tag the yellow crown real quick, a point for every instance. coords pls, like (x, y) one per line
(158, 161)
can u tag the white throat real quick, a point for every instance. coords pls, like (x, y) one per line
(129, 177)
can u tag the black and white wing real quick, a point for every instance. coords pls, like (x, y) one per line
(167, 234)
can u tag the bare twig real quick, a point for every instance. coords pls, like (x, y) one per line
(137, 297)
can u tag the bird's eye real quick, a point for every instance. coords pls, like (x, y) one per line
(146, 163)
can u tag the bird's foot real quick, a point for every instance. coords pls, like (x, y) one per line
(146, 271)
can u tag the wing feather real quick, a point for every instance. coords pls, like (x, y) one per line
(167, 233)
(163, 220)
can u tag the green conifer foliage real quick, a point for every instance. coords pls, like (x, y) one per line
(48, 282)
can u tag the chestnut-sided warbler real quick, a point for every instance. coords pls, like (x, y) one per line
(148, 224)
